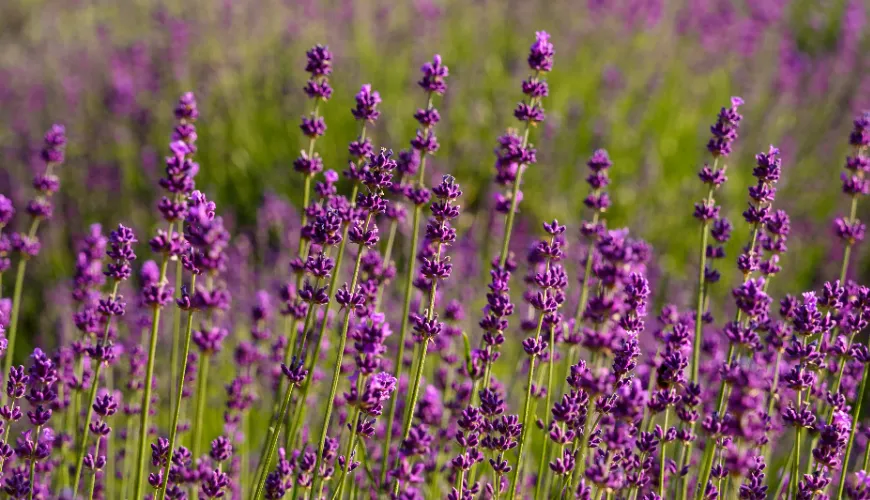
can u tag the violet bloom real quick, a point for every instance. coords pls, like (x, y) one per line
(724, 133)
(27, 245)
(850, 230)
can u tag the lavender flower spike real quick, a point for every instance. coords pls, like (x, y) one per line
(40, 208)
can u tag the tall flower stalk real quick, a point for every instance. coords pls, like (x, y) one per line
(547, 301)
(724, 133)
(376, 176)
(178, 182)
(851, 231)
(121, 243)
(40, 208)
(414, 164)
(440, 234)
(513, 155)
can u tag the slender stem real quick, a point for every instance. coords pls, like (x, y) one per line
(699, 311)
(13, 320)
(856, 412)
(176, 332)
(336, 372)
(272, 443)
(92, 396)
(201, 390)
(796, 463)
(664, 455)
(173, 425)
(299, 415)
(542, 462)
(351, 446)
(146, 393)
(33, 466)
(415, 392)
(94, 475)
(403, 332)
(517, 475)
(587, 274)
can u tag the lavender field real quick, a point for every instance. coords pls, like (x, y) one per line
(265, 249)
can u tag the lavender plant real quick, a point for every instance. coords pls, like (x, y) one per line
(636, 392)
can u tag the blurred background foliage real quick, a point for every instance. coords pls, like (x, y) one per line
(642, 78)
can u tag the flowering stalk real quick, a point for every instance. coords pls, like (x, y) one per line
(180, 171)
(424, 143)
(121, 252)
(326, 233)
(514, 155)
(39, 208)
(547, 301)
(426, 326)
(852, 231)
(724, 133)
(376, 177)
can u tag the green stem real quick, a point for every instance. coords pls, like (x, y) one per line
(336, 372)
(173, 425)
(542, 463)
(856, 412)
(796, 463)
(272, 443)
(517, 475)
(13, 320)
(403, 332)
(351, 445)
(201, 389)
(176, 332)
(92, 396)
(33, 464)
(146, 393)
(415, 392)
(94, 475)
(664, 455)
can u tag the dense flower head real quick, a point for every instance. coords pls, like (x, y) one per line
(367, 101)
(725, 129)
(319, 61)
(434, 74)
(541, 53)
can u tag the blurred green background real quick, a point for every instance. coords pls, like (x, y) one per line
(642, 78)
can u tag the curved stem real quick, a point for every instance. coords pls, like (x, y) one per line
(146, 393)
(542, 463)
(173, 426)
(13, 319)
(403, 333)
(415, 392)
(94, 475)
(517, 475)
(272, 443)
(856, 412)
(201, 390)
(336, 372)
